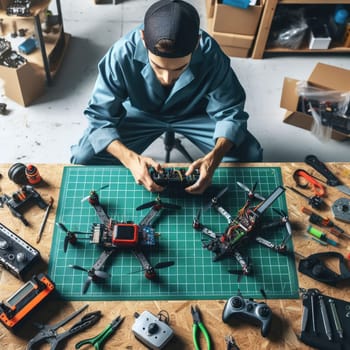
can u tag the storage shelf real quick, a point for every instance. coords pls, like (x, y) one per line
(43, 63)
(339, 49)
(35, 10)
(310, 2)
(265, 24)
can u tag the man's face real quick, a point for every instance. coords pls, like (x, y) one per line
(168, 70)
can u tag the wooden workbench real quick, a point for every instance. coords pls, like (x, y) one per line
(287, 313)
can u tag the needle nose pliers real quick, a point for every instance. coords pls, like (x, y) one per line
(97, 342)
(198, 324)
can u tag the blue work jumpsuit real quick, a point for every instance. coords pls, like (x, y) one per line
(129, 104)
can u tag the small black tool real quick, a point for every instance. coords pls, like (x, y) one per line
(98, 341)
(48, 334)
(315, 201)
(332, 180)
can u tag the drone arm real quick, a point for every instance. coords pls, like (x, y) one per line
(204, 229)
(101, 213)
(150, 217)
(242, 262)
(269, 200)
(222, 211)
(277, 247)
(101, 261)
(146, 265)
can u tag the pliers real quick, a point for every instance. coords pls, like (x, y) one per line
(197, 324)
(48, 334)
(97, 342)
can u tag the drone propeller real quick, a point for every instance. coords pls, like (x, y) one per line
(101, 188)
(196, 219)
(251, 192)
(71, 237)
(241, 273)
(215, 199)
(158, 203)
(285, 220)
(92, 275)
(160, 265)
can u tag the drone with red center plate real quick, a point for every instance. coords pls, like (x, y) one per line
(112, 235)
(243, 227)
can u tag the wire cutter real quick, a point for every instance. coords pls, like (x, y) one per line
(97, 342)
(48, 334)
(197, 324)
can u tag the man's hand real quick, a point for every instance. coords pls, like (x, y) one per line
(207, 166)
(137, 164)
(139, 169)
(206, 172)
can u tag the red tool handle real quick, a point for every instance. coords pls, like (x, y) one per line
(317, 187)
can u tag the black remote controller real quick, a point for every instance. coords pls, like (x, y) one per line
(248, 310)
(174, 177)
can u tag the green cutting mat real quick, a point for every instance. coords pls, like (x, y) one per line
(194, 275)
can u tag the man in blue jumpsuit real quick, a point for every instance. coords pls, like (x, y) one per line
(166, 75)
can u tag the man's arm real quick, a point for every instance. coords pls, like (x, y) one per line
(137, 164)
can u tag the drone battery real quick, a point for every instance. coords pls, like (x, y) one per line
(25, 300)
(125, 234)
(16, 255)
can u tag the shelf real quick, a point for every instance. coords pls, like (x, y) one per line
(306, 50)
(43, 63)
(35, 10)
(265, 25)
(310, 2)
(50, 39)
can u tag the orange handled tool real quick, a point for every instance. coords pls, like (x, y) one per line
(317, 187)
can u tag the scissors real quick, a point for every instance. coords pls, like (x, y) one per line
(198, 324)
(98, 340)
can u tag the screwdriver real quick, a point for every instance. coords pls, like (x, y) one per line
(315, 201)
(324, 222)
(321, 235)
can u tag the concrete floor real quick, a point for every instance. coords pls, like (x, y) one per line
(44, 132)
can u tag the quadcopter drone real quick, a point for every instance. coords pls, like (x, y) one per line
(113, 235)
(243, 228)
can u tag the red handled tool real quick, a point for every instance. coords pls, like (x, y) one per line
(300, 175)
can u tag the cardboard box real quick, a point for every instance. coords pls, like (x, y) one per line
(230, 19)
(210, 4)
(232, 51)
(319, 37)
(23, 84)
(323, 76)
(234, 45)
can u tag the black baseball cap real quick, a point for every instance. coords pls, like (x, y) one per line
(175, 20)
